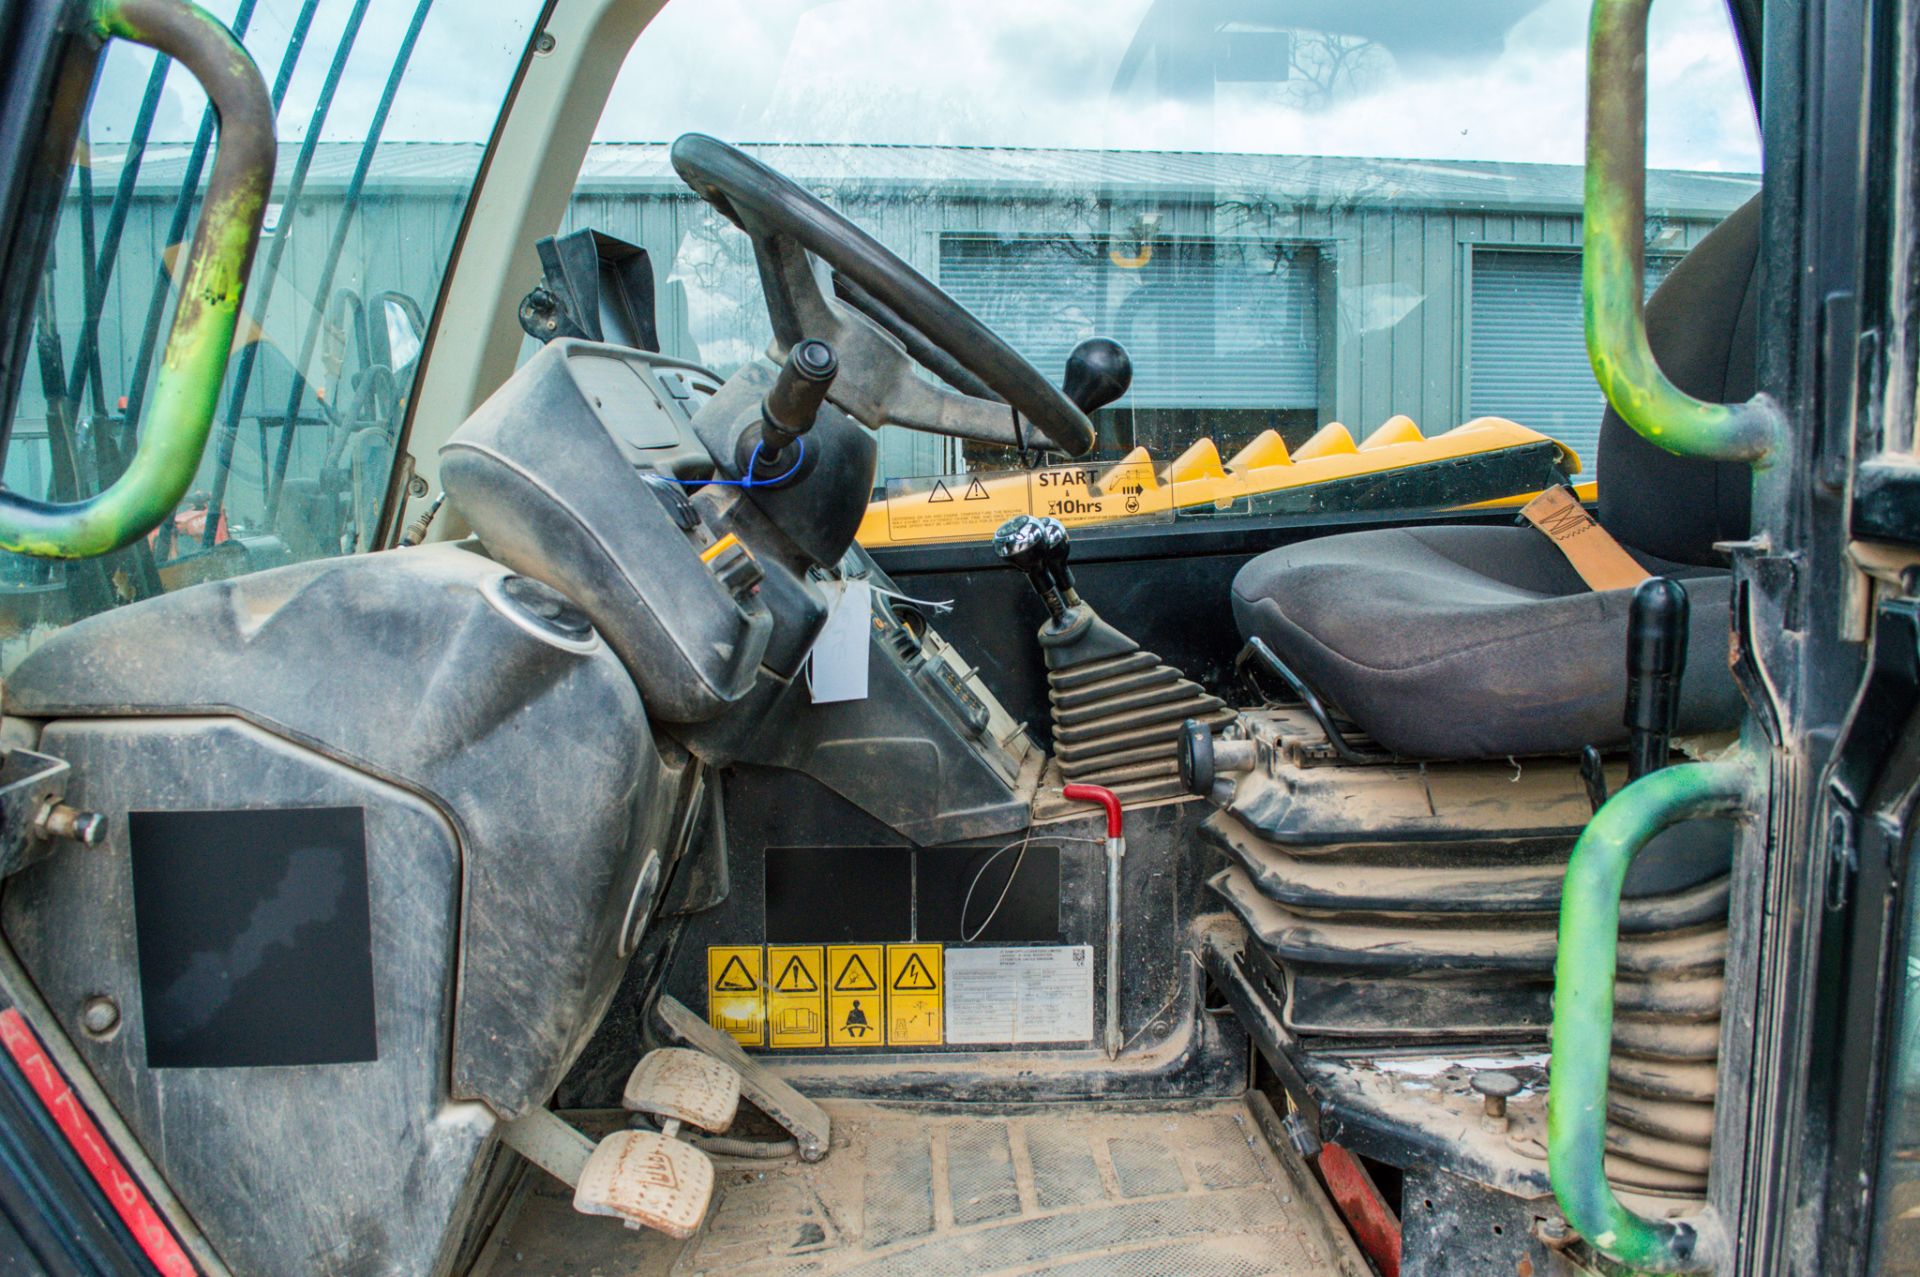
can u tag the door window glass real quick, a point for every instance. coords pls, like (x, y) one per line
(383, 112)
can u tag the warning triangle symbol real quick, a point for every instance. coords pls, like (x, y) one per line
(855, 978)
(795, 978)
(940, 492)
(735, 978)
(976, 491)
(914, 977)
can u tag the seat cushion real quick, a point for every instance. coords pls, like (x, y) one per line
(1472, 642)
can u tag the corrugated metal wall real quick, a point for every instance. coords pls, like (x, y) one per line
(1392, 309)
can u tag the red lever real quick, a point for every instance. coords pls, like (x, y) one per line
(1098, 794)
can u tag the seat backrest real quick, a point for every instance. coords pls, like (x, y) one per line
(1701, 323)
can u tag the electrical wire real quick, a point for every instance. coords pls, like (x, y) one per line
(981, 872)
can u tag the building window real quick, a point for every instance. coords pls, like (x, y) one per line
(1224, 333)
(1528, 353)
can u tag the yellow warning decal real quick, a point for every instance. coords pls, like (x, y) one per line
(796, 996)
(914, 1001)
(735, 1002)
(856, 1000)
(947, 507)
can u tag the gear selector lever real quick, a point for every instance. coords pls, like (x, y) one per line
(1022, 542)
(1055, 548)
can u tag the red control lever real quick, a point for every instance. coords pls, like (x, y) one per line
(1098, 794)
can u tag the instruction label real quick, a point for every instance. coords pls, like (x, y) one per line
(914, 1002)
(952, 507)
(736, 1004)
(856, 998)
(1027, 994)
(1125, 492)
(796, 996)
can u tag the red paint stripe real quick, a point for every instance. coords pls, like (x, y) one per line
(109, 1172)
(1373, 1222)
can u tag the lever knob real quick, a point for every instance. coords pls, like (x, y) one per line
(1055, 547)
(1656, 659)
(790, 407)
(1099, 370)
(1021, 542)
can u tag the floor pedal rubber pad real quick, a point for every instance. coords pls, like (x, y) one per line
(647, 1180)
(678, 1084)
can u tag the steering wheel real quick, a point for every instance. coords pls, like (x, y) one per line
(893, 316)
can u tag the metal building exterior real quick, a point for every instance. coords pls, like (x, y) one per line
(1253, 290)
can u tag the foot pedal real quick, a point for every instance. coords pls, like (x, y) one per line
(805, 1120)
(647, 1181)
(675, 1084)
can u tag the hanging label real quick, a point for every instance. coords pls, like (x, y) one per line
(735, 1004)
(839, 658)
(856, 999)
(1026, 994)
(913, 995)
(796, 996)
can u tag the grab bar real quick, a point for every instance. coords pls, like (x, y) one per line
(1583, 976)
(1613, 262)
(214, 277)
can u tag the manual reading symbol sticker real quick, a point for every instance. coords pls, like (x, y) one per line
(796, 998)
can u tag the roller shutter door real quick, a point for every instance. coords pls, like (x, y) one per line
(1529, 346)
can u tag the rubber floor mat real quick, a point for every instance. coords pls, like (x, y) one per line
(1072, 1191)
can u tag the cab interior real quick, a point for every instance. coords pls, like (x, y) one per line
(1179, 896)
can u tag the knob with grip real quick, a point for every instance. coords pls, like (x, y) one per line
(1099, 370)
(1656, 660)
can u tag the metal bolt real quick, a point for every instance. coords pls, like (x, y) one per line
(99, 1016)
(1496, 1088)
(416, 487)
(543, 43)
(58, 820)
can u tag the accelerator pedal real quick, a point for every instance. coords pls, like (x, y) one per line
(642, 1178)
(674, 1084)
(806, 1121)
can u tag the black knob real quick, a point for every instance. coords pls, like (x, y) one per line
(1195, 751)
(1021, 542)
(1656, 659)
(790, 407)
(1098, 372)
(1055, 547)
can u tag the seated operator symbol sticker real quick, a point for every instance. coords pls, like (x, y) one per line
(856, 1025)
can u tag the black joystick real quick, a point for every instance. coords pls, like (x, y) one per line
(790, 407)
(1055, 547)
(1021, 541)
(1098, 372)
(1656, 659)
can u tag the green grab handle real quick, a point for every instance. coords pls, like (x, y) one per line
(1613, 262)
(1583, 978)
(187, 387)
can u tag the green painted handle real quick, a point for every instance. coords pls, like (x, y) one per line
(1583, 973)
(1614, 261)
(180, 411)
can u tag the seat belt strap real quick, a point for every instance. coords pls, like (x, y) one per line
(1590, 548)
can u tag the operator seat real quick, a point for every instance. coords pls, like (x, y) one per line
(1454, 641)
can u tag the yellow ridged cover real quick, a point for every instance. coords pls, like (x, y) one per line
(1197, 477)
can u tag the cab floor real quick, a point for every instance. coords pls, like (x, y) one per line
(1083, 1190)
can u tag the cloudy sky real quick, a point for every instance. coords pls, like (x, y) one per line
(1467, 79)
(1471, 79)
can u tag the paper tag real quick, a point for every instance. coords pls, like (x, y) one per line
(1020, 995)
(1592, 551)
(840, 653)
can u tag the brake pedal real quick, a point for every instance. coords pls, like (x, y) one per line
(647, 1180)
(806, 1121)
(641, 1178)
(675, 1084)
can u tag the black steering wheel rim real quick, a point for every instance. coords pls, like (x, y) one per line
(764, 202)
